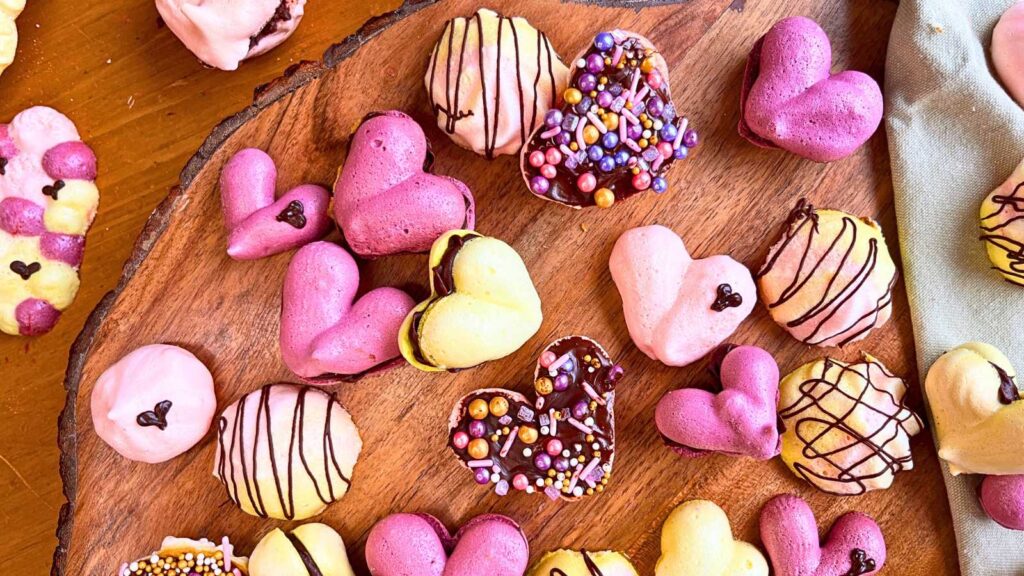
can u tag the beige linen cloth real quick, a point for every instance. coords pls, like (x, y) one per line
(954, 135)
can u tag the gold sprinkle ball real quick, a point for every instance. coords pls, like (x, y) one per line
(604, 198)
(478, 409)
(499, 406)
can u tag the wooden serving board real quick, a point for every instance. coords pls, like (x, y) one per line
(180, 287)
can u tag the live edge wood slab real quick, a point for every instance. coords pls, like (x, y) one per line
(180, 287)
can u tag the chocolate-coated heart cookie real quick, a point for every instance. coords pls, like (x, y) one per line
(617, 131)
(563, 443)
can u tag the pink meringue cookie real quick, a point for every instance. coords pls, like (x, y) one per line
(1002, 498)
(1008, 50)
(259, 225)
(677, 309)
(153, 404)
(386, 199)
(854, 544)
(222, 33)
(791, 100)
(420, 545)
(326, 333)
(738, 420)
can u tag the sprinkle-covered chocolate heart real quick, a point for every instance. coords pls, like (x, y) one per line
(617, 131)
(562, 444)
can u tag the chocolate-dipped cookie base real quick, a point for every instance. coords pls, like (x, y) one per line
(562, 444)
(617, 131)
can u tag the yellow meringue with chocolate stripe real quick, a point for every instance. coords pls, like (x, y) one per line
(310, 549)
(583, 563)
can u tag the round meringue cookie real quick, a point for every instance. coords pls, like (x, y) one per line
(1002, 498)
(491, 79)
(829, 279)
(222, 33)
(1008, 50)
(286, 451)
(154, 404)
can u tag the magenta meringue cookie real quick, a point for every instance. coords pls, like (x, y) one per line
(222, 33)
(1002, 498)
(326, 333)
(153, 404)
(420, 545)
(386, 199)
(791, 100)
(258, 225)
(738, 420)
(854, 544)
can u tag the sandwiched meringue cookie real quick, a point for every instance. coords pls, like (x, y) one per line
(828, 281)
(491, 79)
(222, 33)
(583, 563)
(309, 550)
(286, 451)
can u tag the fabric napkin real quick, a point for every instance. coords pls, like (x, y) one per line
(954, 135)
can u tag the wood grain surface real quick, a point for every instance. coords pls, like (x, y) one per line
(181, 288)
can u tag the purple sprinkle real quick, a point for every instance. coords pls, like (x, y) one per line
(482, 476)
(552, 492)
(638, 108)
(651, 154)
(617, 104)
(551, 133)
(477, 429)
(580, 410)
(614, 89)
(561, 382)
(525, 414)
(690, 138)
(669, 113)
(501, 488)
(570, 121)
(570, 162)
(544, 420)
(505, 420)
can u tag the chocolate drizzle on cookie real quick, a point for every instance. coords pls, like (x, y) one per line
(1008, 391)
(51, 190)
(726, 298)
(293, 215)
(993, 234)
(859, 563)
(304, 555)
(155, 417)
(442, 282)
(235, 449)
(803, 222)
(829, 437)
(25, 270)
(454, 68)
(281, 14)
(588, 561)
(562, 444)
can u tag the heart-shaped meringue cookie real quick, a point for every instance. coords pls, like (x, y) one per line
(385, 198)
(258, 225)
(482, 305)
(583, 563)
(677, 309)
(513, 443)
(738, 420)
(420, 545)
(791, 100)
(854, 546)
(617, 132)
(326, 333)
(977, 410)
(697, 540)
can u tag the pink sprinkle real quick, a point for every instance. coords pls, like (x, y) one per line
(575, 477)
(566, 150)
(593, 394)
(508, 442)
(597, 122)
(539, 404)
(552, 132)
(618, 36)
(622, 132)
(617, 55)
(679, 135)
(561, 360)
(657, 163)
(636, 80)
(553, 427)
(228, 551)
(632, 145)
(629, 116)
(479, 463)
(580, 426)
(640, 95)
(590, 468)
(579, 133)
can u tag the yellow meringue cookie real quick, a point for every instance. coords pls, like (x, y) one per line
(1002, 227)
(54, 281)
(976, 408)
(74, 209)
(9, 11)
(308, 549)
(583, 563)
(696, 540)
(483, 305)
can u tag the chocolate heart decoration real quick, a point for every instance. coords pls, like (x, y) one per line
(155, 417)
(258, 225)
(617, 132)
(326, 333)
(563, 443)
(420, 545)
(853, 547)
(385, 198)
(738, 420)
(791, 100)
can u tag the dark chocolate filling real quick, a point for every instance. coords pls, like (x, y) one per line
(592, 567)
(303, 552)
(1008, 392)
(282, 14)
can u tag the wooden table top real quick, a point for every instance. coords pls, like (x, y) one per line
(144, 104)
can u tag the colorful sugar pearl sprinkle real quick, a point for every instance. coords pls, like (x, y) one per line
(617, 132)
(181, 563)
(562, 444)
